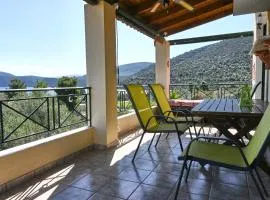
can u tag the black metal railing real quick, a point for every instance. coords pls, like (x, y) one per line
(124, 104)
(205, 90)
(31, 114)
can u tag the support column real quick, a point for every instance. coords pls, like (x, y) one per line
(257, 63)
(100, 36)
(163, 64)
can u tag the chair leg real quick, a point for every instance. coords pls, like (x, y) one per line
(180, 142)
(190, 163)
(167, 136)
(190, 133)
(261, 182)
(151, 141)
(138, 147)
(256, 184)
(158, 140)
(180, 179)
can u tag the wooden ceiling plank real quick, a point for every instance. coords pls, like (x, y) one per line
(165, 14)
(184, 12)
(142, 7)
(188, 23)
(215, 5)
(198, 23)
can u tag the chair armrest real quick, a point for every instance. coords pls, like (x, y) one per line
(182, 112)
(216, 138)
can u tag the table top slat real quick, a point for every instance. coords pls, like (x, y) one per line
(229, 107)
(214, 105)
(235, 105)
(221, 106)
(200, 105)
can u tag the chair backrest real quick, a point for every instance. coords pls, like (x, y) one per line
(141, 105)
(259, 142)
(161, 99)
(255, 88)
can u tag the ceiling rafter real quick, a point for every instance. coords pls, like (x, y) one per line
(165, 14)
(204, 9)
(214, 15)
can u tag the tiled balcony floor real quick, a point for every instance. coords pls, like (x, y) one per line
(109, 174)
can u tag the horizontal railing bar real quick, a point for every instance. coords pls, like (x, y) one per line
(43, 89)
(46, 131)
(44, 97)
(209, 84)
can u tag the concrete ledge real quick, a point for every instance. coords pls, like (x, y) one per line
(127, 123)
(25, 161)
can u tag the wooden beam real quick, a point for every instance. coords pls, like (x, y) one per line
(205, 8)
(177, 10)
(142, 7)
(136, 23)
(204, 18)
(211, 38)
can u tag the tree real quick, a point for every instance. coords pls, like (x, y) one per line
(15, 84)
(65, 94)
(41, 84)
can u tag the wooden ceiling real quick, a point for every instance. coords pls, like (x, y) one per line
(170, 20)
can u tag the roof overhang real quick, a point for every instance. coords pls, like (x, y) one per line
(170, 20)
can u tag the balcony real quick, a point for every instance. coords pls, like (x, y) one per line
(89, 173)
(110, 174)
(77, 143)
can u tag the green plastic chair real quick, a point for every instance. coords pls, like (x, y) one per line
(165, 108)
(149, 122)
(234, 157)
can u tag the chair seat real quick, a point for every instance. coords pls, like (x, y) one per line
(169, 127)
(220, 153)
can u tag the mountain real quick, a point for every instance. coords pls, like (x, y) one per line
(124, 70)
(132, 68)
(225, 61)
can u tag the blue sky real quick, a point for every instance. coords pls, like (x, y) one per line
(47, 37)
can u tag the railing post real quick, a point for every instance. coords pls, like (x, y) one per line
(1, 123)
(53, 112)
(88, 106)
(48, 113)
(58, 113)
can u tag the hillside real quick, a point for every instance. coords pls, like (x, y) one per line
(132, 68)
(225, 61)
(124, 70)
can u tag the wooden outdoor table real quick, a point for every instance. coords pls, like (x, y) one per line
(226, 113)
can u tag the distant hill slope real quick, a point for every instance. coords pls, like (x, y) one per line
(225, 61)
(124, 70)
(30, 81)
(132, 68)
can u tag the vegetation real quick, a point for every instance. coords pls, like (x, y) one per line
(222, 62)
(41, 84)
(15, 84)
(65, 82)
(35, 116)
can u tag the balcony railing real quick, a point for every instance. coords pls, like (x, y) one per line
(31, 114)
(203, 91)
